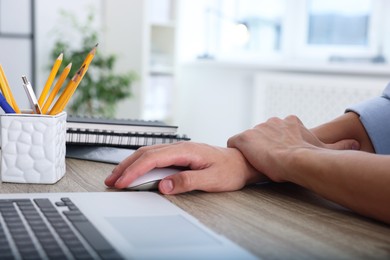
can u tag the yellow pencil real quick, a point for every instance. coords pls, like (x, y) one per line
(90, 56)
(88, 59)
(4, 89)
(71, 92)
(56, 88)
(67, 93)
(50, 80)
(8, 89)
(73, 84)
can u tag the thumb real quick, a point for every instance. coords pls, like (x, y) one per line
(346, 144)
(204, 179)
(177, 183)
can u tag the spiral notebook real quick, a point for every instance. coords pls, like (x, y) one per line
(123, 133)
(132, 140)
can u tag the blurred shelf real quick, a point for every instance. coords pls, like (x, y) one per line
(168, 70)
(168, 24)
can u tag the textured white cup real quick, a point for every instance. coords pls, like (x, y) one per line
(33, 148)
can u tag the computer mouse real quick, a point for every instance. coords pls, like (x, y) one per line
(151, 179)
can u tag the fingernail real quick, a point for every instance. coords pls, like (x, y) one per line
(167, 186)
(110, 178)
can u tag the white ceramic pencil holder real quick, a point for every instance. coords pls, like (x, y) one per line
(33, 148)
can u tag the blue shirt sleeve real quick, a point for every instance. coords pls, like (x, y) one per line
(375, 116)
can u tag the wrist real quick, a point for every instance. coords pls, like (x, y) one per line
(252, 175)
(347, 126)
(297, 162)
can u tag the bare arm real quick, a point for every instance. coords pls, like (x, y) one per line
(356, 180)
(347, 126)
(285, 150)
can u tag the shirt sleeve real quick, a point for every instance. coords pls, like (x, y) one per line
(374, 114)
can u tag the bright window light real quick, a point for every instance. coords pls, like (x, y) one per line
(334, 22)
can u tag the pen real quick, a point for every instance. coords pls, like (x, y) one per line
(31, 96)
(5, 106)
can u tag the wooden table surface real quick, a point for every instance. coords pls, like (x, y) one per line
(273, 221)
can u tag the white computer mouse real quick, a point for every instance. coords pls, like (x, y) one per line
(150, 180)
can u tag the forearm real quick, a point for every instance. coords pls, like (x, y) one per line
(345, 177)
(347, 126)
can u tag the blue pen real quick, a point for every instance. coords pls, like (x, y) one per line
(5, 106)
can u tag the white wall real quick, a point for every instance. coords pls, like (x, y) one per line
(217, 100)
(190, 30)
(15, 53)
(125, 33)
(213, 102)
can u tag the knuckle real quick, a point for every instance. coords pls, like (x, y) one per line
(246, 136)
(274, 120)
(142, 149)
(261, 125)
(149, 154)
(293, 118)
(230, 142)
(186, 181)
(184, 144)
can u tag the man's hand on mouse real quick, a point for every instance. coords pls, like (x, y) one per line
(210, 168)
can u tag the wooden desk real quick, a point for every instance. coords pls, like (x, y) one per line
(273, 221)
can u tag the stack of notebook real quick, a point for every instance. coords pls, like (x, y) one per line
(111, 140)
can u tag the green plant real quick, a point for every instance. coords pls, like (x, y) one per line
(101, 88)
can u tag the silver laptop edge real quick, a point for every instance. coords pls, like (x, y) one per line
(144, 225)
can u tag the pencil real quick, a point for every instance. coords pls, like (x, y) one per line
(12, 101)
(56, 88)
(90, 56)
(4, 89)
(74, 87)
(67, 93)
(50, 79)
(88, 60)
(73, 84)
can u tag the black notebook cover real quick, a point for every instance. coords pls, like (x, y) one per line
(112, 155)
(119, 125)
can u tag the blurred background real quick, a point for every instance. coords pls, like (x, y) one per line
(214, 68)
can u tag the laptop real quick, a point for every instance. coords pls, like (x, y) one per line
(105, 225)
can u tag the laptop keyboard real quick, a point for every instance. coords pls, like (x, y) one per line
(36, 229)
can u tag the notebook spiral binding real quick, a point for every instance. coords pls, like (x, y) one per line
(133, 140)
